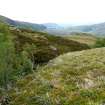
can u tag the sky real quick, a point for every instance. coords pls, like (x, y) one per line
(55, 11)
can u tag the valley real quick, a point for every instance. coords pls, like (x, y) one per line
(47, 64)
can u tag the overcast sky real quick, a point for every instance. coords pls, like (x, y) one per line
(57, 11)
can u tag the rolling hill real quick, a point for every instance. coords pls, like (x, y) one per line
(81, 37)
(96, 29)
(46, 46)
(20, 24)
(37, 68)
(56, 29)
(52, 26)
(22, 51)
(76, 78)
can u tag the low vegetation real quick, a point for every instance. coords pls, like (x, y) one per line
(47, 46)
(41, 69)
(70, 79)
(100, 42)
(12, 65)
(85, 38)
(22, 50)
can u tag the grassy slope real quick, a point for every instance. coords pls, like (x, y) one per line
(47, 46)
(83, 38)
(70, 79)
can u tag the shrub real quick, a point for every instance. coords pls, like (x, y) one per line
(100, 42)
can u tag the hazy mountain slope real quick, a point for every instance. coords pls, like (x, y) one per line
(97, 29)
(52, 26)
(24, 25)
(76, 78)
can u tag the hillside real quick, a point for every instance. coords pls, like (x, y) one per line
(20, 24)
(85, 38)
(96, 29)
(52, 26)
(22, 51)
(37, 68)
(56, 29)
(46, 46)
(70, 79)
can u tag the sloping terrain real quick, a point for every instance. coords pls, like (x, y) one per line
(85, 38)
(21, 53)
(46, 46)
(70, 79)
(24, 25)
(52, 26)
(56, 29)
(96, 29)
(74, 78)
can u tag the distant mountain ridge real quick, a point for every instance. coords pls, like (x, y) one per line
(97, 29)
(20, 24)
(56, 29)
(52, 26)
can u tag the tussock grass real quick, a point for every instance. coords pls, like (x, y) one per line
(76, 78)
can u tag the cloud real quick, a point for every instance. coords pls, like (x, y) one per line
(62, 11)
